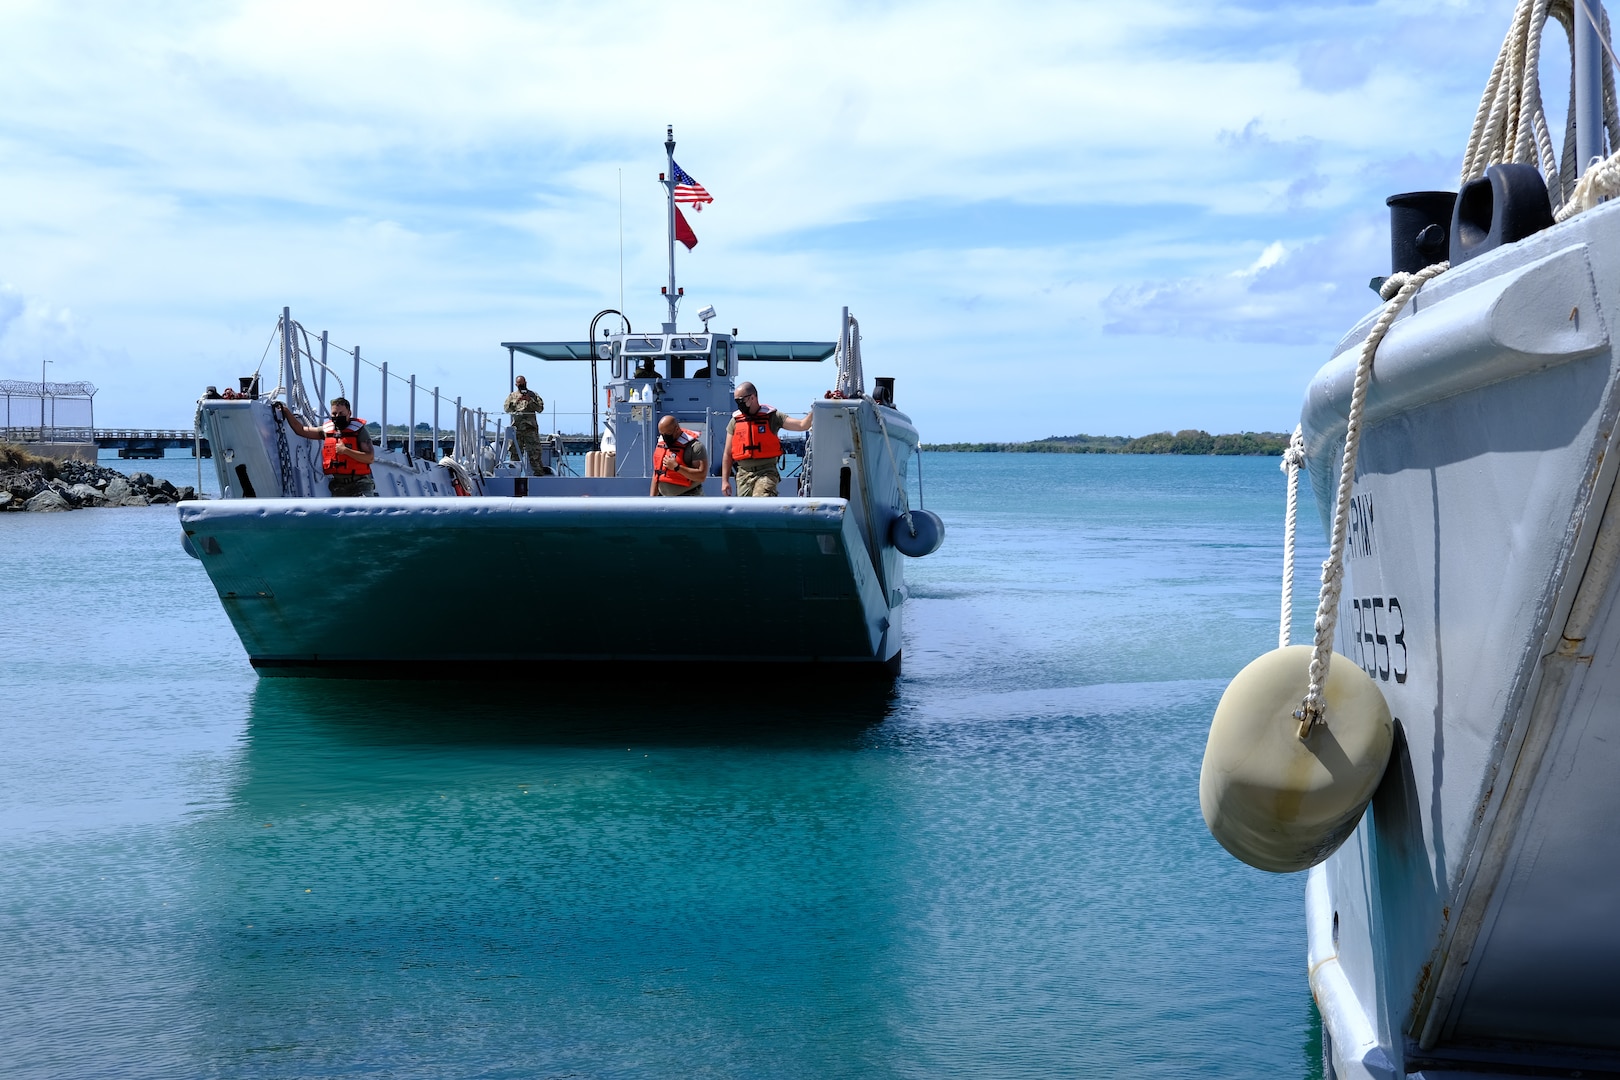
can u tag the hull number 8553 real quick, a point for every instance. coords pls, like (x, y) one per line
(1378, 633)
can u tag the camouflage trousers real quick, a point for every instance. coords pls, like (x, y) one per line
(528, 442)
(349, 487)
(761, 484)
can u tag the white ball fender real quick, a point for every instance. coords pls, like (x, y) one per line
(1274, 800)
(929, 534)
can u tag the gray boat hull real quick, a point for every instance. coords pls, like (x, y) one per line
(1469, 923)
(427, 587)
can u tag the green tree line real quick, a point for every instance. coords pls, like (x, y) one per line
(1189, 441)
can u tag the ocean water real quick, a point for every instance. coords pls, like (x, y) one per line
(997, 868)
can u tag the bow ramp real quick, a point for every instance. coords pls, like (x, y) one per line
(413, 586)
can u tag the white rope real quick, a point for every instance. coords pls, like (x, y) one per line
(1600, 182)
(1509, 127)
(899, 480)
(851, 380)
(1293, 461)
(307, 353)
(1511, 124)
(1327, 607)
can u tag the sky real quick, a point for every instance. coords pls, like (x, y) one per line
(1048, 218)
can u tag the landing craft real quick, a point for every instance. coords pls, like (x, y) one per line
(515, 564)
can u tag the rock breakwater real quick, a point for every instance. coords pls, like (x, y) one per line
(44, 486)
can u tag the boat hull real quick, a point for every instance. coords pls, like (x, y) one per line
(427, 587)
(1468, 922)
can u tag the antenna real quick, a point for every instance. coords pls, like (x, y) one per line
(621, 239)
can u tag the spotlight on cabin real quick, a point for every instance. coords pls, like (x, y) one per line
(706, 314)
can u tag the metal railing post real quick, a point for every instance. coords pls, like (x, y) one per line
(438, 451)
(286, 352)
(385, 405)
(410, 437)
(354, 387)
(323, 411)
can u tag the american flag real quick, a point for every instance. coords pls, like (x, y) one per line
(688, 190)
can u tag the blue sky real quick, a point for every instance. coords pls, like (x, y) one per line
(1050, 218)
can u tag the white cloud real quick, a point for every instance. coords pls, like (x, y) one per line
(1281, 297)
(429, 181)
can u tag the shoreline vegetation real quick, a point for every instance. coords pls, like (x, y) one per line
(1190, 441)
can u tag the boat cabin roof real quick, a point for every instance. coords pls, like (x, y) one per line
(678, 345)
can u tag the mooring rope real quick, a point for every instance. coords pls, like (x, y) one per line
(1510, 125)
(851, 379)
(1327, 608)
(1293, 461)
(899, 478)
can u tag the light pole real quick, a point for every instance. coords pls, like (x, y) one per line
(42, 364)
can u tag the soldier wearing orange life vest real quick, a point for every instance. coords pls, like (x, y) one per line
(346, 448)
(752, 445)
(680, 461)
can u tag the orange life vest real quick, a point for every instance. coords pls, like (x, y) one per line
(335, 464)
(667, 462)
(752, 438)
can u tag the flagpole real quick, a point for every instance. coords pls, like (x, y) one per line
(669, 186)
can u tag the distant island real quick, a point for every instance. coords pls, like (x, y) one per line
(1247, 443)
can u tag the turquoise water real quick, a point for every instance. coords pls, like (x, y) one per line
(995, 869)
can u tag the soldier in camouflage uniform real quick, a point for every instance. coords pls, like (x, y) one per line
(525, 407)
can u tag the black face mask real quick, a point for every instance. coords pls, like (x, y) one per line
(742, 407)
(672, 441)
(340, 422)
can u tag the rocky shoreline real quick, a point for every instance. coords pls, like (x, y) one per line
(44, 486)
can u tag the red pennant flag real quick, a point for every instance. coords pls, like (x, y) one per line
(683, 231)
